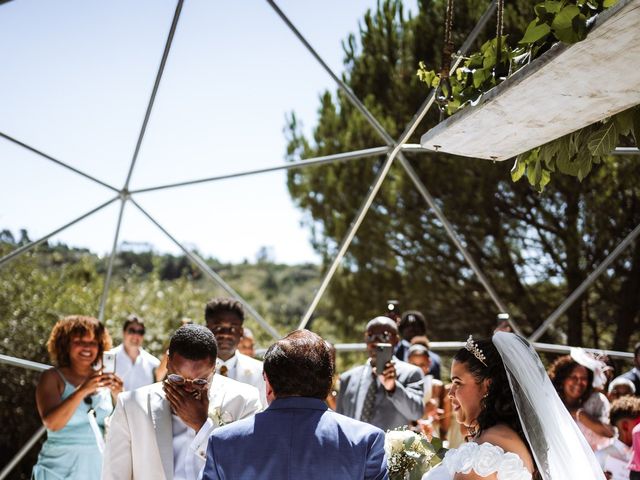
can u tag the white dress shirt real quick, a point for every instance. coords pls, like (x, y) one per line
(186, 465)
(245, 369)
(231, 364)
(615, 457)
(135, 374)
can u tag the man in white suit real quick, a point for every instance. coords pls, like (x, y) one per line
(160, 432)
(224, 317)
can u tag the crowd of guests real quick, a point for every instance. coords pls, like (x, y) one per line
(292, 413)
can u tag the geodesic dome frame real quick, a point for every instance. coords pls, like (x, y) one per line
(393, 149)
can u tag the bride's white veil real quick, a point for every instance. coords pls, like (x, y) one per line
(559, 448)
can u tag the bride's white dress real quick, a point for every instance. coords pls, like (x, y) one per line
(485, 459)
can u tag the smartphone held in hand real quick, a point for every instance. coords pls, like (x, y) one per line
(108, 362)
(384, 352)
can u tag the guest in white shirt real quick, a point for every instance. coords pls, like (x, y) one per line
(624, 415)
(160, 432)
(224, 317)
(134, 365)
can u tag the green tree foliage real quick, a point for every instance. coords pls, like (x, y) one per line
(535, 249)
(38, 288)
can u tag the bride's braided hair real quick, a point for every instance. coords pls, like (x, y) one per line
(497, 406)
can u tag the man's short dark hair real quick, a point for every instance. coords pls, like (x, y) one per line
(636, 349)
(194, 342)
(413, 319)
(131, 319)
(300, 365)
(624, 407)
(223, 304)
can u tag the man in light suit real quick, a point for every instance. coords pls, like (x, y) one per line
(159, 432)
(297, 436)
(224, 317)
(388, 399)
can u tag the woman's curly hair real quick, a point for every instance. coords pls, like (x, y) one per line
(561, 369)
(71, 327)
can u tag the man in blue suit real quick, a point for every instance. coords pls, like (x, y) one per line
(297, 436)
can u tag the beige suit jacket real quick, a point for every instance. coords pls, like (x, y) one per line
(140, 439)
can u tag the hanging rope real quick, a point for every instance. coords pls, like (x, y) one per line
(443, 93)
(447, 47)
(499, 33)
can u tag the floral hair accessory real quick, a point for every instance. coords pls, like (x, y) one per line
(472, 347)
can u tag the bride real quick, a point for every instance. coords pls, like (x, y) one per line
(518, 427)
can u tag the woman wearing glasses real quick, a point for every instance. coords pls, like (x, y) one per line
(73, 399)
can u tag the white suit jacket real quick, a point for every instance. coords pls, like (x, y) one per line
(246, 370)
(140, 438)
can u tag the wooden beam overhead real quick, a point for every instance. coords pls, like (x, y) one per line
(567, 88)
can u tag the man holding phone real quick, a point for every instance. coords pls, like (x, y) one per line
(385, 391)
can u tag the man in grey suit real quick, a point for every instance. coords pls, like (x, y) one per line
(388, 399)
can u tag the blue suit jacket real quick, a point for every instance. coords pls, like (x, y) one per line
(296, 438)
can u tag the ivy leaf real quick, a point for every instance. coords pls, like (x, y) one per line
(548, 153)
(603, 141)
(534, 172)
(479, 76)
(584, 168)
(609, 3)
(575, 141)
(564, 19)
(519, 167)
(544, 179)
(583, 158)
(552, 6)
(535, 32)
(624, 122)
(567, 165)
(532, 161)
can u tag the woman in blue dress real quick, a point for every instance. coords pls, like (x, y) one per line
(73, 400)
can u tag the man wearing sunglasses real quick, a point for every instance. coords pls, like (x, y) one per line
(134, 365)
(225, 318)
(388, 399)
(160, 431)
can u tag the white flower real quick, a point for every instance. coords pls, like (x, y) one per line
(466, 460)
(512, 468)
(219, 417)
(394, 440)
(225, 418)
(488, 459)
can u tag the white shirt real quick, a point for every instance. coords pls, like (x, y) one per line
(616, 451)
(135, 374)
(185, 462)
(231, 364)
(245, 369)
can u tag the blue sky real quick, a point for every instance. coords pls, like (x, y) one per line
(75, 81)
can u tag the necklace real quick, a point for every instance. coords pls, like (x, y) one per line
(473, 432)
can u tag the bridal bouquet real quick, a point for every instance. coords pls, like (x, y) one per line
(410, 455)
